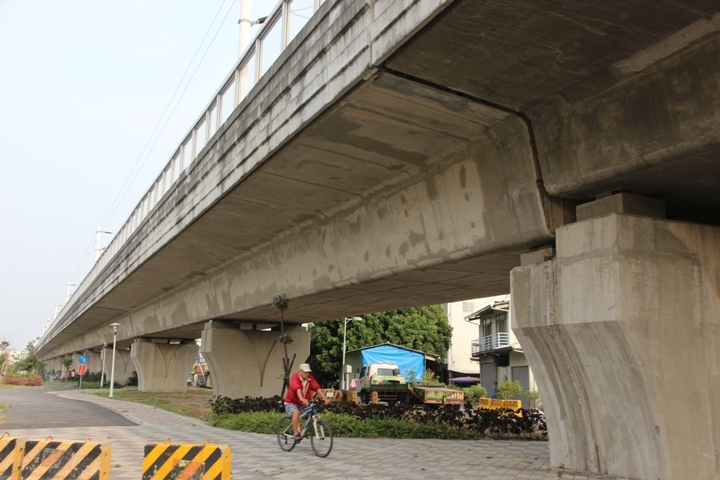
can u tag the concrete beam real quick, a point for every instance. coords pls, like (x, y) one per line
(649, 123)
(622, 330)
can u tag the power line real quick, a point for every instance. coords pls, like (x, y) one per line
(131, 177)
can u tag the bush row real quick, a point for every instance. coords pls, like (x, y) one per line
(373, 420)
(28, 379)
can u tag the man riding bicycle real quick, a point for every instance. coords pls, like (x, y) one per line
(302, 385)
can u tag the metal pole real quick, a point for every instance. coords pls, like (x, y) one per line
(112, 368)
(342, 383)
(102, 375)
(245, 24)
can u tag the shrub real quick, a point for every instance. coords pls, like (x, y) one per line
(256, 422)
(533, 398)
(475, 393)
(392, 421)
(27, 379)
(509, 390)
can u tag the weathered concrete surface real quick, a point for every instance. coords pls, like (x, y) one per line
(622, 331)
(162, 367)
(249, 362)
(378, 103)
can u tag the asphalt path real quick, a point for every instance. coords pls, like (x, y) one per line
(39, 407)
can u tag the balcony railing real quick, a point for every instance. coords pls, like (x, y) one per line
(490, 343)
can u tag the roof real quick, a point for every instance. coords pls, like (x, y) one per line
(428, 356)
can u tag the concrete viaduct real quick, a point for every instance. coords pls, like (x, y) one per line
(403, 153)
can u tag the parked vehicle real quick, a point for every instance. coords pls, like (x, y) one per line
(382, 382)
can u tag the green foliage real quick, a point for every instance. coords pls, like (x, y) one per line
(475, 393)
(28, 379)
(230, 406)
(256, 422)
(392, 421)
(67, 362)
(509, 390)
(286, 339)
(28, 361)
(430, 380)
(425, 328)
(132, 380)
(281, 302)
(533, 398)
(96, 385)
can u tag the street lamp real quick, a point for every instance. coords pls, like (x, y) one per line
(112, 368)
(102, 375)
(344, 374)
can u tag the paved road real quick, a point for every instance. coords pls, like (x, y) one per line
(41, 407)
(256, 456)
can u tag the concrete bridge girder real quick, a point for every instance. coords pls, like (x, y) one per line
(402, 153)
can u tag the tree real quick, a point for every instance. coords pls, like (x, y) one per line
(28, 361)
(424, 328)
(509, 390)
(4, 355)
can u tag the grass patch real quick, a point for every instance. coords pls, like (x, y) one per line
(344, 426)
(192, 403)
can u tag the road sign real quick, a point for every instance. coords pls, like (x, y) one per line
(82, 359)
(81, 369)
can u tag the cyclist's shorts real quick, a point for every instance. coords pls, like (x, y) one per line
(291, 407)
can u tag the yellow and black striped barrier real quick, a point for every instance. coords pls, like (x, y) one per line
(186, 462)
(59, 460)
(11, 457)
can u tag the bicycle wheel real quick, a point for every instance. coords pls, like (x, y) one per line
(321, 439)
(285, 436)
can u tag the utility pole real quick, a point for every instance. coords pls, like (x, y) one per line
(245, 24)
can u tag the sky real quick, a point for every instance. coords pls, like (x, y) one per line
(86, 92)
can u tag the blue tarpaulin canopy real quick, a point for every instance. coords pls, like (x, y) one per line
(406, 359)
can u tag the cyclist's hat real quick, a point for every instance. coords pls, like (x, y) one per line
(305, 367)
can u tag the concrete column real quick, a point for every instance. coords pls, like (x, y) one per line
(249, 362)
(94, 363)
(622, 330)
(124, 366)
(163, 367)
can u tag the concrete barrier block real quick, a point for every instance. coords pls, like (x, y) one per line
(186, 461)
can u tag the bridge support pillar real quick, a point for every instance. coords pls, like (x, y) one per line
(622, 329)
(249, 362)
(163, 367)
(94, 363)
(123, 365)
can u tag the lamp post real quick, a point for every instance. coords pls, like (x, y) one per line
(344, 374)
(102, 375)
(112, 368)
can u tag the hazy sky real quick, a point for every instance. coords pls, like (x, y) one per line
(83, 84)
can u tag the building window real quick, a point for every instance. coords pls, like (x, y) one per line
(501, 322)
(486, 326)
(468, 307)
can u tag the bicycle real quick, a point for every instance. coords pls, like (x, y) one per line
(319, 432)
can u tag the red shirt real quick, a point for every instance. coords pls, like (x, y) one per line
(296, 383)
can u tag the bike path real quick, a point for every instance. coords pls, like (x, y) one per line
(257, 456)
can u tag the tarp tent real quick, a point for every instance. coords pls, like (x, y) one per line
(408, 360)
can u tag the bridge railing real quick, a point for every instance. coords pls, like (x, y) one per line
(277, 31)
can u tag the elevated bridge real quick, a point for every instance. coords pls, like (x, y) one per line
(404, 153)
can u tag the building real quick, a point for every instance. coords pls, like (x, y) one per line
(483, 344)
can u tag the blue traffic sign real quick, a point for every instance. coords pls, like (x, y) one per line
(82, 359)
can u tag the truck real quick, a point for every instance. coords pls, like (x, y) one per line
(382, 382)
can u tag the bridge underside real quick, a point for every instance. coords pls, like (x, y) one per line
(408, 153)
